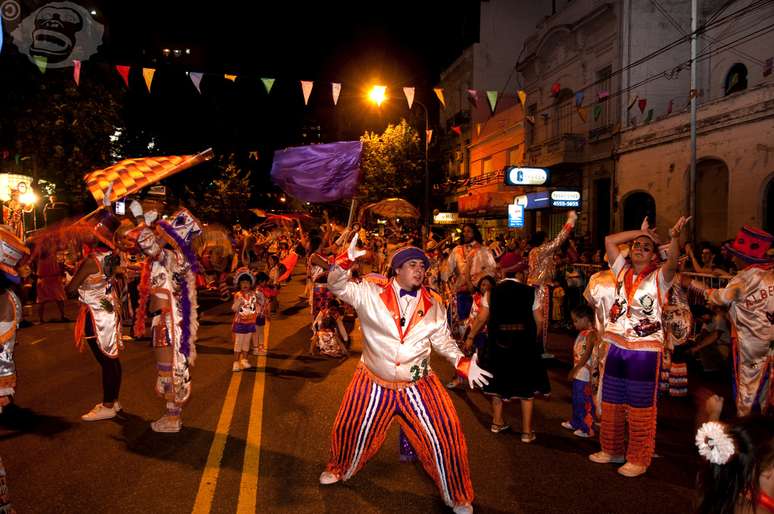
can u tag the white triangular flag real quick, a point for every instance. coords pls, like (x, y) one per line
(336, 89)
(306, 87)
(409, 92)
(196, 78)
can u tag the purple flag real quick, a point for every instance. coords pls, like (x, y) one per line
(318, 173)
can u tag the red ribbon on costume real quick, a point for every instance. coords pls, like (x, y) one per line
(463, 367)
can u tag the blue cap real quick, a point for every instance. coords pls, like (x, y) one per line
(408, 253)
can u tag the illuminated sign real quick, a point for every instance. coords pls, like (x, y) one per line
(516, 176)
(532, 201)
(515, 216)
(566, 199)
(443, 218)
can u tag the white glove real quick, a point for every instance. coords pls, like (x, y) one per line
(150, 217)
(106, 198)
(477, 376)
(135, 208)
(353, 253)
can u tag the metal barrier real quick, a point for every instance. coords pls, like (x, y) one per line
(708, 280)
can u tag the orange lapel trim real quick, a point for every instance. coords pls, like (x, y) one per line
(421, 310)
(391, 302)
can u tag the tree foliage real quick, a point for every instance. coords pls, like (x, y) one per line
(227, 197)
(392, 164)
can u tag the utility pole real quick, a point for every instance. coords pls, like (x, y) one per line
(694, 96)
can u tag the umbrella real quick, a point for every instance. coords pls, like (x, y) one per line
(259, 212)
(393, 208)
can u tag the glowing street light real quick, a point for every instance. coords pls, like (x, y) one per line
(377, 95)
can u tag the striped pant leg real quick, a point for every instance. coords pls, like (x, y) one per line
(364, 416)
(641, 393)
(430, 423)
(614, 408)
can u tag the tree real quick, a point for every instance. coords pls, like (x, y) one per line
(392, 164)
(227, 197)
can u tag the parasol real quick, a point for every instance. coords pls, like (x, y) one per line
(393, 208)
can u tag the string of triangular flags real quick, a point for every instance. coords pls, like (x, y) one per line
(306, 85)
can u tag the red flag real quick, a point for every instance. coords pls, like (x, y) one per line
(457, 129)
(642, 103)
(473, 97)
(555, 88)
(77, 72)
(124, 72)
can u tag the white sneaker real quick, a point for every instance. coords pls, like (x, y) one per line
(567, 425)
(99, 412)
(581, 433)
(328, 478)
(245, 364)
(463, 509)
(236, 366)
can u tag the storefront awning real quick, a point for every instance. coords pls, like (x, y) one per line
(491, 203)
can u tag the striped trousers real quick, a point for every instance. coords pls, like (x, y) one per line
(629, 390)
(428, 418)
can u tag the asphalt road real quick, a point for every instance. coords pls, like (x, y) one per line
(257, 441)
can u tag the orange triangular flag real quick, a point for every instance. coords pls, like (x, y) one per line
(429, 135)
(124, 72)
(306, 87)
(147, 74)
(232, 78)
(336, 89)
(439, 94)
(522, 97)
(478, 129)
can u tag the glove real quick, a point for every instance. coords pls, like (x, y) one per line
(345, 260)
(467, 367)
(135, 208)
(106, 198)
(150, 217)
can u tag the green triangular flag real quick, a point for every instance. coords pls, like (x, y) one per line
(41, 62)
(268, 84)
(492, 96)
(649, 116)
(597, 111)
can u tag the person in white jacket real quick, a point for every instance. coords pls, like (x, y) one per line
(402, 322)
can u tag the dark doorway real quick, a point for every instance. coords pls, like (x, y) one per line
(601, 211)
(768, 208)
(636, 207)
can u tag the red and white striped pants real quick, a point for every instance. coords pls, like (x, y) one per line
(428, 418)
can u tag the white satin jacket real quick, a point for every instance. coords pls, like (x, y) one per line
(391, 352)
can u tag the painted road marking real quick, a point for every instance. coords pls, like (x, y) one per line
(203, 502)
(248, 486)
(36, 341)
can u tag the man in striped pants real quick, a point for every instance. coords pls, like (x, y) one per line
(401, 323)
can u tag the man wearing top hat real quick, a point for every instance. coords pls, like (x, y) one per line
(749, 297)
(402, 322)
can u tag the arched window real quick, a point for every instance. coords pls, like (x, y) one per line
(736, 79)
(636, 207)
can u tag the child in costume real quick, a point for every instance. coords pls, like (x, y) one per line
(245, 308)
(583, 365)
(330, 336)
(12, 250)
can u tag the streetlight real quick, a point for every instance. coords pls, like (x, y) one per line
(377, 95)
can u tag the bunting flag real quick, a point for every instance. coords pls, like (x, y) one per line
(409, 92)
(336, 91)
(318, 173)
(579, 98)
(306, 87)
(439, 94)
(478, 129)
(582, 113)
(41, 62)
(603, 95)
(77, 72)
(147, 74)
(642, 103)
(131, 175)
(268, 84)
(555, 88)
(196, 78)
(253, 155)
(649, 116)
(531, 119)
(124, 72)
(428, 135)
(473, 98)
(597, 112)
(632, 101)
(492, 96)
(457, 129)
(522, 97)
(232, 78)
(669, 107)
(695, 93)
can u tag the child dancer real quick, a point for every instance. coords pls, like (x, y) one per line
(245, 308)
(583, 366)
(260, 341)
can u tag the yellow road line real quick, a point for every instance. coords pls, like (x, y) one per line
(36, 341)
(209, 481)
(248, 486)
